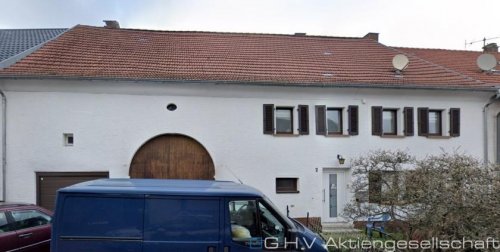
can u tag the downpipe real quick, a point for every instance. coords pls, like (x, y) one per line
(4, 146)
(485, 124)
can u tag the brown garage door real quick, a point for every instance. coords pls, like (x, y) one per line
(49, 182)
(172, 156)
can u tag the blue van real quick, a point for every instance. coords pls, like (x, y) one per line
(173, 215)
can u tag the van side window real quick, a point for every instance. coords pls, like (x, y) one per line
(252, 222)
(106, 217)
(182, 220)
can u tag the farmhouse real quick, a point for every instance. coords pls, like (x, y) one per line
(283, 113)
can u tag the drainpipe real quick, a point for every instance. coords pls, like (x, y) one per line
(4, 145)
(485, 124)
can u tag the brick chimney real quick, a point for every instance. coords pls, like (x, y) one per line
(372, 36)
(490, 48)
(112, 24)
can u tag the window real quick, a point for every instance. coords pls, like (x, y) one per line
(174, 219)
(68, 139)
(4, 224)
(330, 121)
(387, 186)
(435, 126)
(252, 222)
(280, 120)
(105, 218)
(287, 185)
(389, 122)
(284, 120)
(29, 218)
(431, 122)
(392, 121)
(334, 120)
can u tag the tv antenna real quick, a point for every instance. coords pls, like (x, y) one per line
(477, 41)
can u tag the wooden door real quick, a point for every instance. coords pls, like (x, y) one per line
(172, 157)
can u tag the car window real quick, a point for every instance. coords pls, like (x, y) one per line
(252, 223)
(4, 224)
(29, 218)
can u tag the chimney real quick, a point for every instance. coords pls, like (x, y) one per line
(490, 48)
(112, 24)
(372, 36)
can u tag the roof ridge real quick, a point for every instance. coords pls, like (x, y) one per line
(466, 77)
(219, 32)
(436, 49)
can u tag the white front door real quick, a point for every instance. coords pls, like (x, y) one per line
(335, 194)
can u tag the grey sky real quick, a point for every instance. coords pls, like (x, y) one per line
(409, 23)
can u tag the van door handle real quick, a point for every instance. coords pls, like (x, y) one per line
(226, 249)
(27, 235)
(211, 249)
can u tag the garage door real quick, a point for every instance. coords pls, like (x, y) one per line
(49, 182)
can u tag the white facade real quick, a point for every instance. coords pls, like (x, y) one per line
(110, 120)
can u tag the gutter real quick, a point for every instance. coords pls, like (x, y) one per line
(478, 88)
(492, 100)
(4, 146)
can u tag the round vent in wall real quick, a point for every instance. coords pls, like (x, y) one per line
(171, 107)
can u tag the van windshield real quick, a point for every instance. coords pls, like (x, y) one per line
(289, 223)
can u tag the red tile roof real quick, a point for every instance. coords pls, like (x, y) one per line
(101, 53)
(460, 61)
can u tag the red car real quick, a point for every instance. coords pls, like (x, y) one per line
(24, 227)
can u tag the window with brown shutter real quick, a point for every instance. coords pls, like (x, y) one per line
(454, 122)
(435, 126)
(303, 119)
(320, 120)
(408, 121)
(423, 121)
(268, 119)
(334, 121)
(353, 122)
(284, 120)
(377, 121)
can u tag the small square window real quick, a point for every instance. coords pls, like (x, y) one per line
(68, 139)
(287, 185)
(284, 120)
(389, 122)
(334, 120)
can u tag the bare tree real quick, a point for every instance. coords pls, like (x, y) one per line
(448, 196)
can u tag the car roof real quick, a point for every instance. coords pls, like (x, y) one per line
(164, 187)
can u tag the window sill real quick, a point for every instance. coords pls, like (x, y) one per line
(283, 192)
(439, 137)
(392, 136)
(337, 135)
(285, 135)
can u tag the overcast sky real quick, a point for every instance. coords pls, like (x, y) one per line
(408, 23)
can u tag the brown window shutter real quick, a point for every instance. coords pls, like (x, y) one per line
(268, 119)
(408, 121)
(303, 119)
(353, 123)
(374, 187)
(320, 120)
(423, 121)
(377, 121)
(454, 122)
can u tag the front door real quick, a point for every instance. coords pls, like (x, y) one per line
(334, 194)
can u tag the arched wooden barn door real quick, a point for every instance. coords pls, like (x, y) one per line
(172, 156)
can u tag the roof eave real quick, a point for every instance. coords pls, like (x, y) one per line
(429, 86)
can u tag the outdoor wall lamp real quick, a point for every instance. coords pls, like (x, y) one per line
(341, 159)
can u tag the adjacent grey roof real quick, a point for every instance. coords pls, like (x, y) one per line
(16, 41)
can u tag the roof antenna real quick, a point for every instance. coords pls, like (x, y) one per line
(234, 175)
